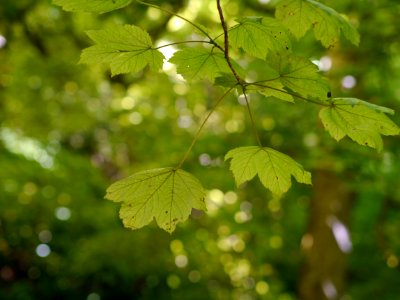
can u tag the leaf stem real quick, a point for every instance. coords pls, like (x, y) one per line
(253, 124)
(196, 137)
(289, 93)
(183, 18)
(182, 42)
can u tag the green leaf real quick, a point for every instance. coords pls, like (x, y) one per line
(296, 73)
(201, 63)
(166, 194)
(126, 48)
(97, 6)
(363, 123)
(301, 15)
(273, 168)
(257, 36)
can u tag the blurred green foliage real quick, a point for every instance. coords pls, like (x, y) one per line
(68, 131)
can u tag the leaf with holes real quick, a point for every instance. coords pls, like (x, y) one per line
(201, 63)
(274, 169)
(166, 194)
(301, 15)
(363, 123)
(126, 48)
(257, 36)
(97, 6)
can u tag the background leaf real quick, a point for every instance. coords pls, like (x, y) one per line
(166, 194)
(272, 167)
(362, 123)
(98, 6)
(301, 15)
(127, 48)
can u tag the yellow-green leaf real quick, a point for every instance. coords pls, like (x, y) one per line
(166, 194)
(274, 169)
(97, 6)
(363, 123)
(127, 48)
(301, 15)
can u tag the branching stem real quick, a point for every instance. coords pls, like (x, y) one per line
(202, 126)
(226, 43)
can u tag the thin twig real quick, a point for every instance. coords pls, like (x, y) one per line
(201, 127)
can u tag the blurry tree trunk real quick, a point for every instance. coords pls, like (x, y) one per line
(324, 271)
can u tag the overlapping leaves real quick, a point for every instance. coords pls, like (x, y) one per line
(363, 123)
(257, 36)
(98, 6)
(274, 169)
(301, 15)
(166, 194)
(127, 48)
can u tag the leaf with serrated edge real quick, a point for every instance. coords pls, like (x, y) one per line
(97, 6)
(299, 75)
(363, 123)
(257, 36)
(166, 194)
(201, 63)
(127, 48)
(301, 15)
(273, 168)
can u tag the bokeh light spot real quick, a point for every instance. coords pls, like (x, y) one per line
(43, 250)
(63, 213)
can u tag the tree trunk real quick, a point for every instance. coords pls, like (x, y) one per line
(327, 241)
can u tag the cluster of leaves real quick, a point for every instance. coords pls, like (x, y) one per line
(169, 194)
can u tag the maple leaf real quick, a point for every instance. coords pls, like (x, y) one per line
(127, 48)
(273, 168)
(166, 194)
(363, 122)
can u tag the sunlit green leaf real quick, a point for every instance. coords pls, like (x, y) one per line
(201, 63)
(257, 36)
(362, 123)
(98, 6)
(166, 194)
(273, 168)
(126, 48)
(301, 15)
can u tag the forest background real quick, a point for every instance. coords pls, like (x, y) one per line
(70, 130)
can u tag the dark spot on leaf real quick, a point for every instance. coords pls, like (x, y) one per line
(166, 211)
(287, 48)
(329, 94)
(174, 220)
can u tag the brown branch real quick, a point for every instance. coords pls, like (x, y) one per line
(226, 43)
